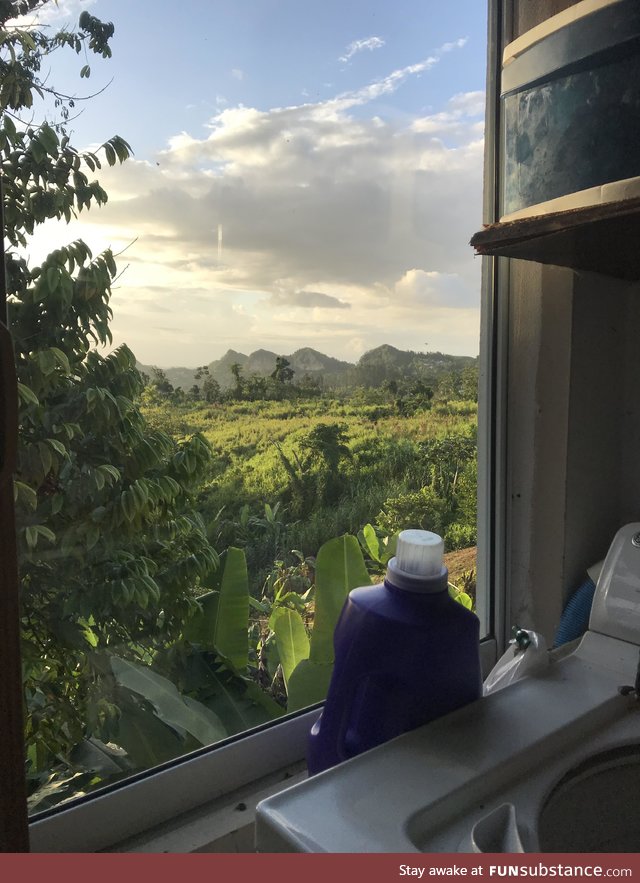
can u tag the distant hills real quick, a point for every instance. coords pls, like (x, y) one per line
(372, 369)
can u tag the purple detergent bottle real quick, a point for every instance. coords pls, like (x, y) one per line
(405, 654)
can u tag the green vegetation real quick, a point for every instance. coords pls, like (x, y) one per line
(111, 548)
(184, 555)
(332, 465)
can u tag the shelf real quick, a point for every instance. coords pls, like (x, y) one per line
(601, 238)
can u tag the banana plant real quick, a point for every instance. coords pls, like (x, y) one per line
(307, 661)
(221, 623)
(208, 695)
(380, 549)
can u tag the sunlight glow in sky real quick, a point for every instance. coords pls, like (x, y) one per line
(305, 173)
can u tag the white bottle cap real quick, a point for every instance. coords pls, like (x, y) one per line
(420, 553)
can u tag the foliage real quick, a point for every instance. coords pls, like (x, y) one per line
(422, 509)
(464, 588)
(327, 444)
(282, 373)
(402, 382)
(446, 502)
(111, 548)
(211, 391)
(260, 457)
(377, 547)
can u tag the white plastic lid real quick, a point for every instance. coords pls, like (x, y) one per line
(420, 553)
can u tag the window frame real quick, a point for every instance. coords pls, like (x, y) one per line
(14, 835)
(494, 359)
(150, 798)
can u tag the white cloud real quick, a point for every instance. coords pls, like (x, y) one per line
(468, 103)
(356, 46)
(53, 13)
(431, 288)
(454, 121)
(237, 73)
(341, 231)
(395, 79)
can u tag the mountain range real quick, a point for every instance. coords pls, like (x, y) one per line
(385, 362)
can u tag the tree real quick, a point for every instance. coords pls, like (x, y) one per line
(282, 373)
(110, 546)
(240, 382)
(211, 391)
(327, 444)
(255, 388)
(469, 383)
(447, 387)
(210, 387)
(161, 383)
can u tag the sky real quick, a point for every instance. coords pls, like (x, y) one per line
(304, 174)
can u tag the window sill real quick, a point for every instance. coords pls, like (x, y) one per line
(225, 825)
(198, 787)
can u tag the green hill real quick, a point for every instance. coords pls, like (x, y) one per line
(384, 363)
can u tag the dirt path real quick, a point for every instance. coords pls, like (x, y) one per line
(460, 562)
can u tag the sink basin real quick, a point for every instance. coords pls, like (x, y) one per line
(595, 806)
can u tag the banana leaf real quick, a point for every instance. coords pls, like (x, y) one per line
(200, 629)
(222, 623)
(340, 568)
(231, 637)
(181, 713)
(291, 640)
(239, 703)
(308, 684)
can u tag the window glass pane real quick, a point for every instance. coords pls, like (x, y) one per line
(266, 362)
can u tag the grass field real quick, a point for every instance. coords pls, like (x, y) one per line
(394, 471)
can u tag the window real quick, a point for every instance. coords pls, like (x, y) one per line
(291, 227)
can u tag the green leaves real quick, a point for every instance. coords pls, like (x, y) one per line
(181, 713)
(111, 549)
(307, 664)
(34, 532)
(340, 567)
(378, 549)
(291, 639)
(200, 629)
(461, 596)
(24, 495)
(26, 395)
(49, 140)
(308, 685)
(116, 149)
(99, 33)
(230, 635)
(222, 622)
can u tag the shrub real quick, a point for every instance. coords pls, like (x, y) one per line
(460, 536)
(422, 509)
